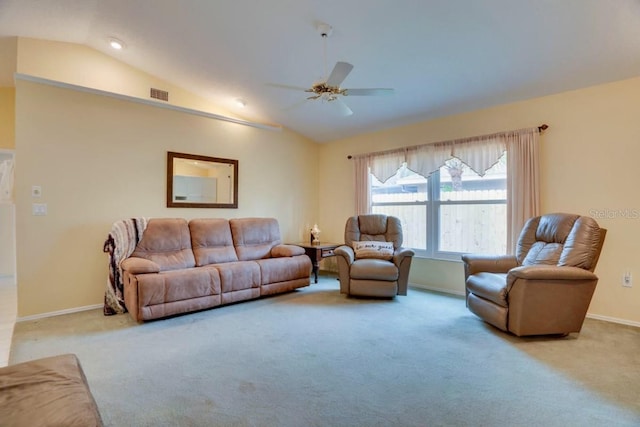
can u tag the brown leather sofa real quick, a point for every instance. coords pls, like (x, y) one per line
(546, 287)
(179, 266)
(372, 276)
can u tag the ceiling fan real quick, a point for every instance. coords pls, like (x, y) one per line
(329, 90)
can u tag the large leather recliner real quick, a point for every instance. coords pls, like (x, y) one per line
(546, 287)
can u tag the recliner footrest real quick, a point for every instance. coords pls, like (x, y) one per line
(373, 269)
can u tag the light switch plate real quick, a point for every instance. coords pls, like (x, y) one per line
(36, 191)
(39, 209)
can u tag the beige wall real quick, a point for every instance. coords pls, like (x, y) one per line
(100, 159)
(7, 117)
(8, 55)
(589, 158)
(80, 65)
(117, 152)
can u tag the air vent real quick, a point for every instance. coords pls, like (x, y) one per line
(162, 95)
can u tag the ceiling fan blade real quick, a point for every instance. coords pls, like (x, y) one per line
(296, 105)
(339, 73)
(342, 107)
(368, 92)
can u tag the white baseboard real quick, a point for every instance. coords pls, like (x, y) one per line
(59, 312)
(433, 288)
(613, 320)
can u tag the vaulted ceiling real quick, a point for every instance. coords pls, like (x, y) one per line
(441, 57)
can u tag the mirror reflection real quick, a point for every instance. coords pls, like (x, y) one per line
(201, 181)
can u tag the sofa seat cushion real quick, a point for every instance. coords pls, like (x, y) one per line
(275, 270)
(373, 269)
(236, 276)
(177, 285)
(239, 281)
(211, 241)
(490, 286)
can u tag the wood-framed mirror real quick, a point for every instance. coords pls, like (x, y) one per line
(195, 181)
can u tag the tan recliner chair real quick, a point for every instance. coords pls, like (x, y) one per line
(547, 286)
(372, 276)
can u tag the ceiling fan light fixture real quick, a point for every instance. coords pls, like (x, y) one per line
(116, 44)
(325, 30)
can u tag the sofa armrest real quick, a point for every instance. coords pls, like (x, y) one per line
(549, 272)
(547, 299)
(280, 251)
(488, 263)
(346, 252)
(402, 253)
(135, 265)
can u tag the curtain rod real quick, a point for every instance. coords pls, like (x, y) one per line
(541, 128)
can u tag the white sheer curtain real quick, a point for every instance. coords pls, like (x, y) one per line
(426, 159)
(384, 165)
(480, 153)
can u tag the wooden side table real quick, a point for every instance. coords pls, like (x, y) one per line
(317, 253)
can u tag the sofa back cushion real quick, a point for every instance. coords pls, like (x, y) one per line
(211, 241)
(253, 238)
(373, 227)
(583, 244)
(560, 239)
(166, 241)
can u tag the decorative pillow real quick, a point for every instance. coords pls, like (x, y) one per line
(373, 249)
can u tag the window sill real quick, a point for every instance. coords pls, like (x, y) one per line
(451, 258)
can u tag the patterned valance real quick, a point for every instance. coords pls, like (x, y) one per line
(480, 153)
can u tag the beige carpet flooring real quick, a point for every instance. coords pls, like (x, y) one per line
(317, 358)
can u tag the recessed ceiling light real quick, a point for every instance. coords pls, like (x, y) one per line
(116, 44)
(241, 102)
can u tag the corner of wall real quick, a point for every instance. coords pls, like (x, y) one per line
(7, 117)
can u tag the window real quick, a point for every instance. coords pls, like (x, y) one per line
(453, 211)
